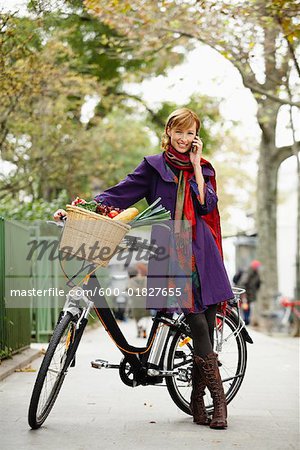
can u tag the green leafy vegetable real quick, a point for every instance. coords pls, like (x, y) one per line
(151, 215)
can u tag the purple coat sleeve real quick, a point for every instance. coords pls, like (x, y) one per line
(130, 190)
(210, 198)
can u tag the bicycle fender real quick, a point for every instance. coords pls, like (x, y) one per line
(246, 336)
(244, 331)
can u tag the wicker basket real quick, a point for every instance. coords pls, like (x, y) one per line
(85, 230)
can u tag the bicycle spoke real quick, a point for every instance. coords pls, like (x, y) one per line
(184, 363)
(55, 371)
(231, 355)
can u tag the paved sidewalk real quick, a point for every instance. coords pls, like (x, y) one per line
(18, 361)
(96, 410)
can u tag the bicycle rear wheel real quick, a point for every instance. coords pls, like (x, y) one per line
(233, 360)
(58, 357)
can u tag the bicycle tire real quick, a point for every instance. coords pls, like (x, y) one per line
(173, 383)
(39, 409)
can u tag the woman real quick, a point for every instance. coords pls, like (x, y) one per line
(187, 187)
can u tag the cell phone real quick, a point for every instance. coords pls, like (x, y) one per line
(193, 147)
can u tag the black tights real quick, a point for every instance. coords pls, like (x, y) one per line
(202, 328)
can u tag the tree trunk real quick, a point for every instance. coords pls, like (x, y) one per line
(297, 284)
(267, 206)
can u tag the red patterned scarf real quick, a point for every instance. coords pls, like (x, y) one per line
(184, 203)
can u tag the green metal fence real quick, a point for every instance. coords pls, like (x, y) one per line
(15, 323)
(44, 311)
(37, 317)
(3, 339)
(47, 273)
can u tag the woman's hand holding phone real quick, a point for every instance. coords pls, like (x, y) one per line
(196, 151)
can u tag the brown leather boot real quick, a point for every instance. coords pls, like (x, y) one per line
(208, 366)
(197, 405)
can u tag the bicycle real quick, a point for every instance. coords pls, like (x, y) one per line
(291, 318)
(166, 360)
(284, 317)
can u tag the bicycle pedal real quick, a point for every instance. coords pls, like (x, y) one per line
(183, 375)
(103, 364)
(99, 363)
(161, 373)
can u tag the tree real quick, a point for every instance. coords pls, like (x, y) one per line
(40, 115)
(244, 33)
(50, 62)
(52, 149)
(48, 142)
(100, 50)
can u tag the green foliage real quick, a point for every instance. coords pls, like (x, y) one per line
(121, 143)
(52, 63)
(99, 49)
(42, 132)
(38, 209)
(5, 353)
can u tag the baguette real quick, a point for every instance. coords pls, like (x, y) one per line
(127, 215)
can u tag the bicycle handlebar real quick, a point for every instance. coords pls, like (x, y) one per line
(286, 302)
(58, 224)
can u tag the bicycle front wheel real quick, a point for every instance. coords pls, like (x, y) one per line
(58, 357)
(232, 359)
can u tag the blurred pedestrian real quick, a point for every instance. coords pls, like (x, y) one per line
(137, 293)
(120, 307)
(250, 281)
(237, 276)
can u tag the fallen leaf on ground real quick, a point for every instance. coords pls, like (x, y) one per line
(26, 369)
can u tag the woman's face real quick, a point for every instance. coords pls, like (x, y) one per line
(181, 139)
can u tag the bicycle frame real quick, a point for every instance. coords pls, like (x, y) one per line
(147, 363)
(168, 355)
(137, 357)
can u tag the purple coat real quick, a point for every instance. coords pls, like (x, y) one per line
(151, 179)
